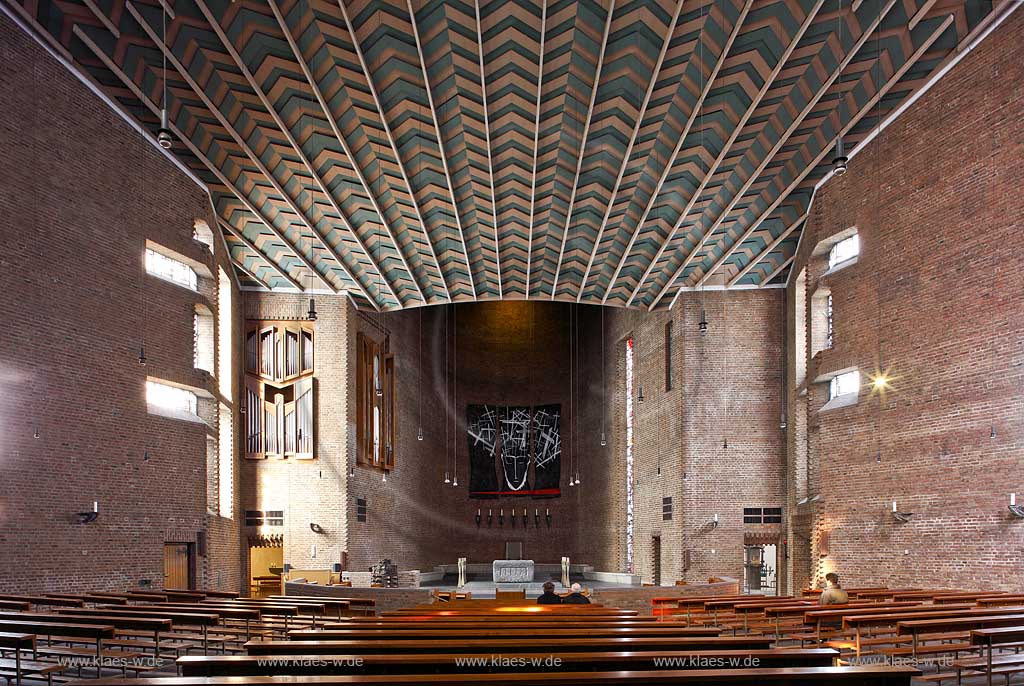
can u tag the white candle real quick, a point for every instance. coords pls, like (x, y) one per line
(1013, 498)
(894, 506)
(716, 516)
(95, 506)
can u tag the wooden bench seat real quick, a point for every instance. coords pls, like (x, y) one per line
(524, 645)
(484, 631)
(835, 676)
(16, 669)
(249, 665)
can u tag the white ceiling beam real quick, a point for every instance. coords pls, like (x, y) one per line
(778, 270)
(767, 250)
(341, 140)
(440, 148)
(629, 148)
(679, 145)
(583, 147)
(536, 137)
(821, 155)
(487, 134)
(229, 128)
(237, 233)
(766, 159)
(130, 85)
(808, 20)
(920, 14)
(398, 157)
(307, 163)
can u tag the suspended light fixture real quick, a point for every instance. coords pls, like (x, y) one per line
(163, 135)
(604, 441)
(702, 325)
(142, 356)
(311, 314)
(840, 160)
(447, 480)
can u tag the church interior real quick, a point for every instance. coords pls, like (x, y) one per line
(512, 342)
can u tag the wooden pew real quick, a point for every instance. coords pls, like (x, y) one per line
(93, 632)
(779, 612)
(816, 676)
(502, 617)
(857, 622)
(247, 615)
(356, 605)
(497, 622)
(918, 626)
(44, 600)
(314, 608)
(990, 637)
(1009, 599)
(491, 645)
(15, 605)
(177, 619)
(16, 642)
(87, 598)
(295, 665)
(486, 631)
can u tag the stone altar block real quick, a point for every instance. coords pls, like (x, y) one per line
(512, 571)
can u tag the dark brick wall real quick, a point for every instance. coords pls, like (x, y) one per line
(937, 300)
(81, 195)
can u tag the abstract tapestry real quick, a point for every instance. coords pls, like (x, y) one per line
(482, 430)
(524, 441)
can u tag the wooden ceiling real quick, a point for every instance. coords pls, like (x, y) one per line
(414, 152)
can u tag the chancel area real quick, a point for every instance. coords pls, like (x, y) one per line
(511, 342)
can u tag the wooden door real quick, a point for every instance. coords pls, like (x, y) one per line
(177, 565)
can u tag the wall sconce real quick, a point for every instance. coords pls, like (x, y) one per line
(477, 518)
(89, 517)
(490, 518)
(501, 517)
(714, 522)
(1015, 509)
(536, 518)
(524, 518)
(547, 517)
(316, 528)
(900, 516)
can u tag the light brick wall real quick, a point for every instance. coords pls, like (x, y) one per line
(937, 300)
(726, 384)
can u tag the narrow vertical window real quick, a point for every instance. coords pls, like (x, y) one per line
(668, 356)
(828, 321)
(629, 455)
(225, 463)
(224, 362)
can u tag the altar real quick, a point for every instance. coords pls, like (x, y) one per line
(512, 571)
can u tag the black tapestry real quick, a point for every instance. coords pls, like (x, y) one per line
(547, 449)
(514, 450)
(482, 432)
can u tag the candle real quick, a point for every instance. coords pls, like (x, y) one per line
(95, 506)
(536, 512)
(894, 506)
(716, 516)
(547, 511)
(489, 512)
(478, 512)
(1013, 498)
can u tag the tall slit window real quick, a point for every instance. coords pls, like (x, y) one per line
(668, 356)
(629, 455)
(844, 251)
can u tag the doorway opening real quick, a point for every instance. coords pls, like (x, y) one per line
(656, 560)
(179, 566)
(266, 563)
(760, 568)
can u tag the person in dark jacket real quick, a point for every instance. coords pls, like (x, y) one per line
(576, 597)
(549, 597)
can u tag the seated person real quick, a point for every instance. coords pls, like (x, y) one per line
(549, 597)
(833, 595)
(576, 597)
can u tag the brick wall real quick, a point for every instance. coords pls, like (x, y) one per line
(725, 385)
(936, 299)
(82, 194)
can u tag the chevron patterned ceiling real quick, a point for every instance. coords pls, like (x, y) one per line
(412, 152)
